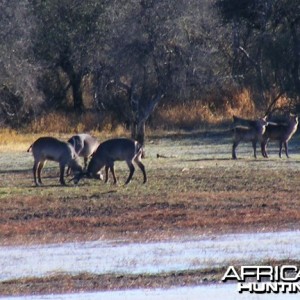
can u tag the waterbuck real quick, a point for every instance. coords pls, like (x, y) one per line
(49, 148)
(251, 133)
(237, 121)
(118, 149)
(85, 145)
(279, 132)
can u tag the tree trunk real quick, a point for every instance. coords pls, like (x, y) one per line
(296, 66)
(140, 134)
(77, 94)
(138, 131)
(235, 48)
(75, 83)
(141, 113)
(133, 127)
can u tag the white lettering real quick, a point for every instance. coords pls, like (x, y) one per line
(248, 271)
(265, 271)
(268, 287)
(283, 272)
(229, 276)
(244, 287)
(278, 279)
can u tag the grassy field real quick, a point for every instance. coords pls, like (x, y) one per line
(194, 187)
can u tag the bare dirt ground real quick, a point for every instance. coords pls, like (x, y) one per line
(195, 189)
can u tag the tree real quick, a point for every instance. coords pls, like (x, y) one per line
(266, 45)
(66, 39)
(155, 48)
(19, 98)
(142, 60)
(133, 52)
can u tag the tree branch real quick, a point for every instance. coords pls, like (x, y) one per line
(269, 109)
(248, 56)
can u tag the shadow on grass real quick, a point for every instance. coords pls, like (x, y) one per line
(15, 171)
(216, 134)
(18, 171)
(208, 159)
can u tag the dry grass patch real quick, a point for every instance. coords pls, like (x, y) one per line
(91, 282)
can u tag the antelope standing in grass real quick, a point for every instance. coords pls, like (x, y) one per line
(85, 145)
(251, 133)
(237, 121)
(279, 132)
(118, 149)
(49, 148)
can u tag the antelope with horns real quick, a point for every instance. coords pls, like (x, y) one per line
(85, 145)
(118, 149)
(280, 132)
(251, 133)
(237, 121)
(49, 148)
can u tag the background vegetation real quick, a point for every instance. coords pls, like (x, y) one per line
(99, 64)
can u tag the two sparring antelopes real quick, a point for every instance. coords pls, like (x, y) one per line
(104, 155)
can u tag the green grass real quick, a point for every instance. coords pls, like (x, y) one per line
(193, 163)
(197, 186)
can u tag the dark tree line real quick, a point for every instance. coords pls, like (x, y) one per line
(130, 55)
(266, 46)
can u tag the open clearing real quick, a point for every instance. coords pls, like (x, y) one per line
(194, 189)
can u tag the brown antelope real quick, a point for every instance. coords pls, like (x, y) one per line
(85, 145)
(49, 148)
(237, 121)
(251, 133)
(279, 132)
(118, 149)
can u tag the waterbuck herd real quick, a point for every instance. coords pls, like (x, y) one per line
(263, 130)
(104, 155)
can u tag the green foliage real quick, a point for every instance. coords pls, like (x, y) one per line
(112, 52)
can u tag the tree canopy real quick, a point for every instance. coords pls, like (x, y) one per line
(129, 55)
